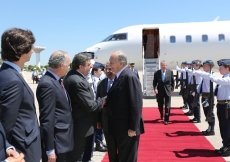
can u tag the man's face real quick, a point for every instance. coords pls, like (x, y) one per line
(115, 65)
(66, 66)
(132, 67)
(85, 70)
(163, 66)
(108, 71)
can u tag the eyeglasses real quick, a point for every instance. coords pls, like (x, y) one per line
(109, 69)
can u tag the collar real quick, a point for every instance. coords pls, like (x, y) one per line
(55, 75)
(82, 74)
(118, 74)
(16, 67)
(227, 75)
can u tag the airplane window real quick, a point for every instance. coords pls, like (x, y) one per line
(221, 37)
(188, 38)
(204, 38)
(116, 37)
(172, 39)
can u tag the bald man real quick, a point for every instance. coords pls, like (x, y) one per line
(124, 105)
(55, 110)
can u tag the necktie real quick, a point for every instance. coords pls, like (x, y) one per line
(216, 89)
(62, 85)
(163, 75)
(109, 85)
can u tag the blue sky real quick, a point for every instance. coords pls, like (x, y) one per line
(74, 25)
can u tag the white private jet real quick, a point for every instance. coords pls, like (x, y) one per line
(147, 45)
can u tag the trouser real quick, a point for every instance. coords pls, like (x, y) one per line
(82, 149)
(190, 101)
(197, 108)
(127, 148)
(111, 146)
(224, 124)
(165, 99)
(206, 110)
(98, 136)
(183, 97)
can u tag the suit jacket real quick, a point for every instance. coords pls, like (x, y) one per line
(136, 72)
(56, 122)
(18, 114)
(3, 144)
(83, 105)
(103, 114)
(124, 101)
(167, 85)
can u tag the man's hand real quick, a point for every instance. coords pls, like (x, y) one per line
(103, 102)
(156, 91)
(131, 133)
(171, 93)
(20, 158)
(52, 157)
(12, 153)
(98, 125)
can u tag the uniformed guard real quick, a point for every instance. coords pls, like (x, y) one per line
(204, 90)
(222, 93)
(194, 95)
(187, 81)
(182, 83)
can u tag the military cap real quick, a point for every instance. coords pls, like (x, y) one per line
(185, 62)
(98, 65)
(188, 63)
(223, 62)
(207, 61)
(196, 62)
(132, 64)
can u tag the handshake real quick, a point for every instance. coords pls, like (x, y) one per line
(103, 99)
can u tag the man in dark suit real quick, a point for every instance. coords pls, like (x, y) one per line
(163, 85)
(18, 112)
(102, 89)
(84, 107)
(134, 70)
(124, 101)
(7, 151)
(56, 122)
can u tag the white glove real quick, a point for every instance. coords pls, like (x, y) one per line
(186, 68)
(193, 94)
(177, 68)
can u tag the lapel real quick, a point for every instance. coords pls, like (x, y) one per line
(84, 79)
(56, 83)
(118, 80)
(106, 86)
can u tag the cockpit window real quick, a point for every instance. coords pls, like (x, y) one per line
(116, 37)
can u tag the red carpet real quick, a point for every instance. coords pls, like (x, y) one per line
(180, 141)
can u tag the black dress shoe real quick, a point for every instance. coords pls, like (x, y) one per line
(100, 147)
(208, 133)
(166, 122)
(195, 120)
(216, 150)
(190, 113)
(224, 152)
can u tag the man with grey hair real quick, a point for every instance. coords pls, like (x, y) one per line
(84, 107)
(124, 105)
(56, 123)
(163, 85)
